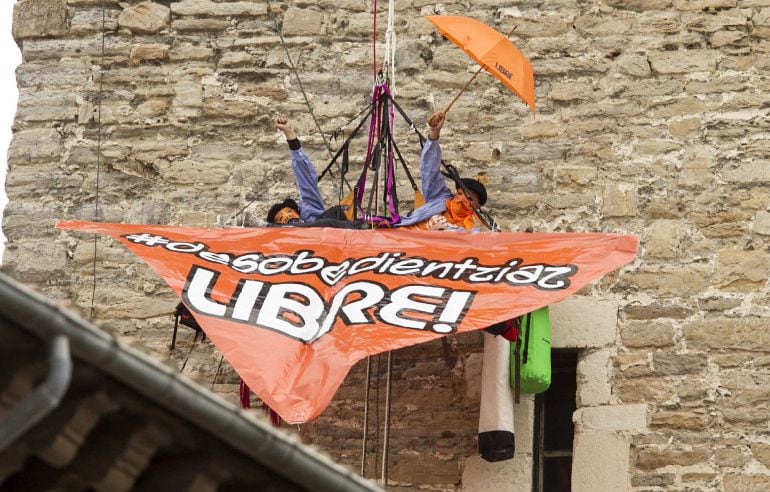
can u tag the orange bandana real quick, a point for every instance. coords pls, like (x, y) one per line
(459, 212)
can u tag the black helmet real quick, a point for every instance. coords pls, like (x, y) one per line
(476, 187)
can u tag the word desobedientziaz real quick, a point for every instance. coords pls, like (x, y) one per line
(304, 262)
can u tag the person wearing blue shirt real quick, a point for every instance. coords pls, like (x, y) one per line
(442, 209)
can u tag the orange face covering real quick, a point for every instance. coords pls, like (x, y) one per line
(460, 213)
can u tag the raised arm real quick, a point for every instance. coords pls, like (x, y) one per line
(310, 203)
(433, 184)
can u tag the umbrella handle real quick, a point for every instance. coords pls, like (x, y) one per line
(449, 106)
(481, 67)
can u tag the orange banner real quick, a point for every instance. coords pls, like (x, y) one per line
(292, 309)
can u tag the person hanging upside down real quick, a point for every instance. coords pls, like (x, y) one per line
(311, 207)
(443, 209)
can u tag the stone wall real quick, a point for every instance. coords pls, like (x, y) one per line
(652, 119)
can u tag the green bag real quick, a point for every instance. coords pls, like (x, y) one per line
(531, 354)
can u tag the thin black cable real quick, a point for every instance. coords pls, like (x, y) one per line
(98, 158)
(216, 374)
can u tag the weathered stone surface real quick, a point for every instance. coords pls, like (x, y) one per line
(669, 363)
(697, 164)
(570, 91)
(739, 269)
(752, 173)
(218, 9)
(39, 18)
(732, 457)
(35, 145)
(683, 62)
(481, 475)
(661, 480)
(734, 482)
(762, 223)
(663, 239)
(639, 5)
(600, 462)
(651, 458)
(199, 25)
(655, 311)
(302, 22)
(569, 316)
(636, 65)
(148, 52)
(145, 17)
(708, 22)
(593, 379)
(89, 21)
(683, 420)
(619, 200)
(648, 334)
(751, 334)
(632, 418)
(195, 172)
(591, 25)
(47, 49)
(684, 281)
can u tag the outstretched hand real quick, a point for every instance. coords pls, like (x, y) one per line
(282, 123)
(436, 123)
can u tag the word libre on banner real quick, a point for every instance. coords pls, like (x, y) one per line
(293, 309)
(299, 311)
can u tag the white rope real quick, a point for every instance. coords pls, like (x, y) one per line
(389, 67)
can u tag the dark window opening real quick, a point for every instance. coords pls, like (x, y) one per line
(554, 431)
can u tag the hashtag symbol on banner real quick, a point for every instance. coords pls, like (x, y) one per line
(147, 239)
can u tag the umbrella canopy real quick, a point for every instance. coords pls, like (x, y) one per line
(492, 50)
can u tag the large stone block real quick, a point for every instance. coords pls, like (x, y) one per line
(683, 281)
(735, 482)
(663, 239)
(686, 61)
(651, 458)
(611, 418)
(749, 173)
(636, 65)
(684, 420)
(145, 17)
(89, 21)
(39, 18)
(600, 462)
(648, 334)
(593, 372)
(39, 144)
(740, 269)
(218, 9)
(302, 22)
(671, 363)
(583, 322)
(196, 172)
(619, 200)
(36, 261)
(149, 53)
(752, 334)
(55, 49)
(762, 223)
(482, 476)
(639, 5)
(708, 22)
(696, 166)
(593, 25)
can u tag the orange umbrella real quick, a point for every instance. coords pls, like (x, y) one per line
(493, 51)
